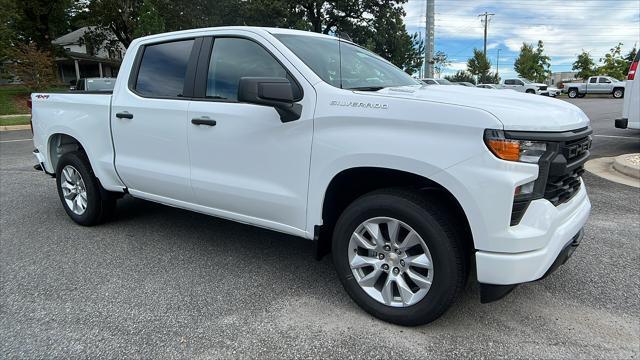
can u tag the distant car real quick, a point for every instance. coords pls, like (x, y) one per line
(525, 86)
(433, 81)
(464, 83)
(553, 91)
(492, 86)
(94, 84)
(631, 107)
(597, 85)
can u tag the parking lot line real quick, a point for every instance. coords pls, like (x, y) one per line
(619, 137)
(18, 140)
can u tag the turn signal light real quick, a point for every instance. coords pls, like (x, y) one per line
(505, 149)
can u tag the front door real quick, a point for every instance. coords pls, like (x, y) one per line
(149, 123)
(245, 162)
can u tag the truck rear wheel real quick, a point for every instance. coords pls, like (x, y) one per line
(618, 93)
(573, 93)
(82, 197)
(399, 257)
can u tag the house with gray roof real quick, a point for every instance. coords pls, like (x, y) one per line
(84, 59)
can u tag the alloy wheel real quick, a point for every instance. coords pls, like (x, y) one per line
(74, 190)
(390, 262)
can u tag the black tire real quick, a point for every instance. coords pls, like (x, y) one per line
(530, 91)
(438, 232)
(618, 93)
(100, 203)
(573, 93)
(580, 96)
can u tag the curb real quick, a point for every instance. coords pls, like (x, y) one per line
(13, 116)
(624, 165)
(603, 167)
(15, 127)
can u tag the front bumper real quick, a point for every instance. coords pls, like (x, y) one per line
(490, 292)
(555, 226)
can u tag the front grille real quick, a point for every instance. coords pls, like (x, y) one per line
(560, 168)
(561, 189)
(543, 88)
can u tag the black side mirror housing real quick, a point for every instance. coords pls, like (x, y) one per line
(276, 92)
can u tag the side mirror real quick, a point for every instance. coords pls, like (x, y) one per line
(276, 92)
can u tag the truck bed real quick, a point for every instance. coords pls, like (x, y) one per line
(83, 116)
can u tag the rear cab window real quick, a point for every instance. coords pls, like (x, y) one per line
(163, 69)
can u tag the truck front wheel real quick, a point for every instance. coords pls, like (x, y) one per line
(80, 192)
(399, 257)
(530, 91)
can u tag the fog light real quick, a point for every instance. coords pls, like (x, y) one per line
(524, 189)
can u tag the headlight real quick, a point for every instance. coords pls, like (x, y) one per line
(514, 150)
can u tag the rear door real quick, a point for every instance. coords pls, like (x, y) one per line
(249, 165)
(604, 85)
(149, 120)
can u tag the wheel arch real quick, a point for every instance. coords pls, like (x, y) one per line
(349, 184)
(59, 144)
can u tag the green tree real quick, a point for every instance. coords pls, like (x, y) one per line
(41, 21)
(149, 21)
(584, 65)
(119, 17)
(34, 67)
(613, 64)
(532, 63)
(440, 62)
(387, 36)
(7, 30)
(478, 65)
(461, 76)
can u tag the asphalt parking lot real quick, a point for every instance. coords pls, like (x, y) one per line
(159, 282)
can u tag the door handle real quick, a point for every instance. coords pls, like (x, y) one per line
(124, 115)
(203, 121)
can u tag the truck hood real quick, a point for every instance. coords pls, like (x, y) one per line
(515, 110)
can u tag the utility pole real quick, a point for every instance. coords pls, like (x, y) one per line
(498, 63)
(429, 41)
(486, 23)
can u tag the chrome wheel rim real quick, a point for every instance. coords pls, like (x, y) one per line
(73, 190)
(618, 93)
(390, 262)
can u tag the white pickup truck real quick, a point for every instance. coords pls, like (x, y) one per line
(408, 186)
(525, 86)
(596, 85)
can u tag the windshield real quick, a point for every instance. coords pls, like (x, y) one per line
(100, 84)
(525, 81)
(444, 82)
(345, 65)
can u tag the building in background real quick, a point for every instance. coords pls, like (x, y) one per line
(82, 60)
(557, 78)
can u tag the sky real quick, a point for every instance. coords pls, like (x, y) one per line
(565, 26)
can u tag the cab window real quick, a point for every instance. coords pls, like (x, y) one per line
(234, 58)
(163, 69)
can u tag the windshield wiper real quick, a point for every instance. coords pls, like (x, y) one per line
(366, 88)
